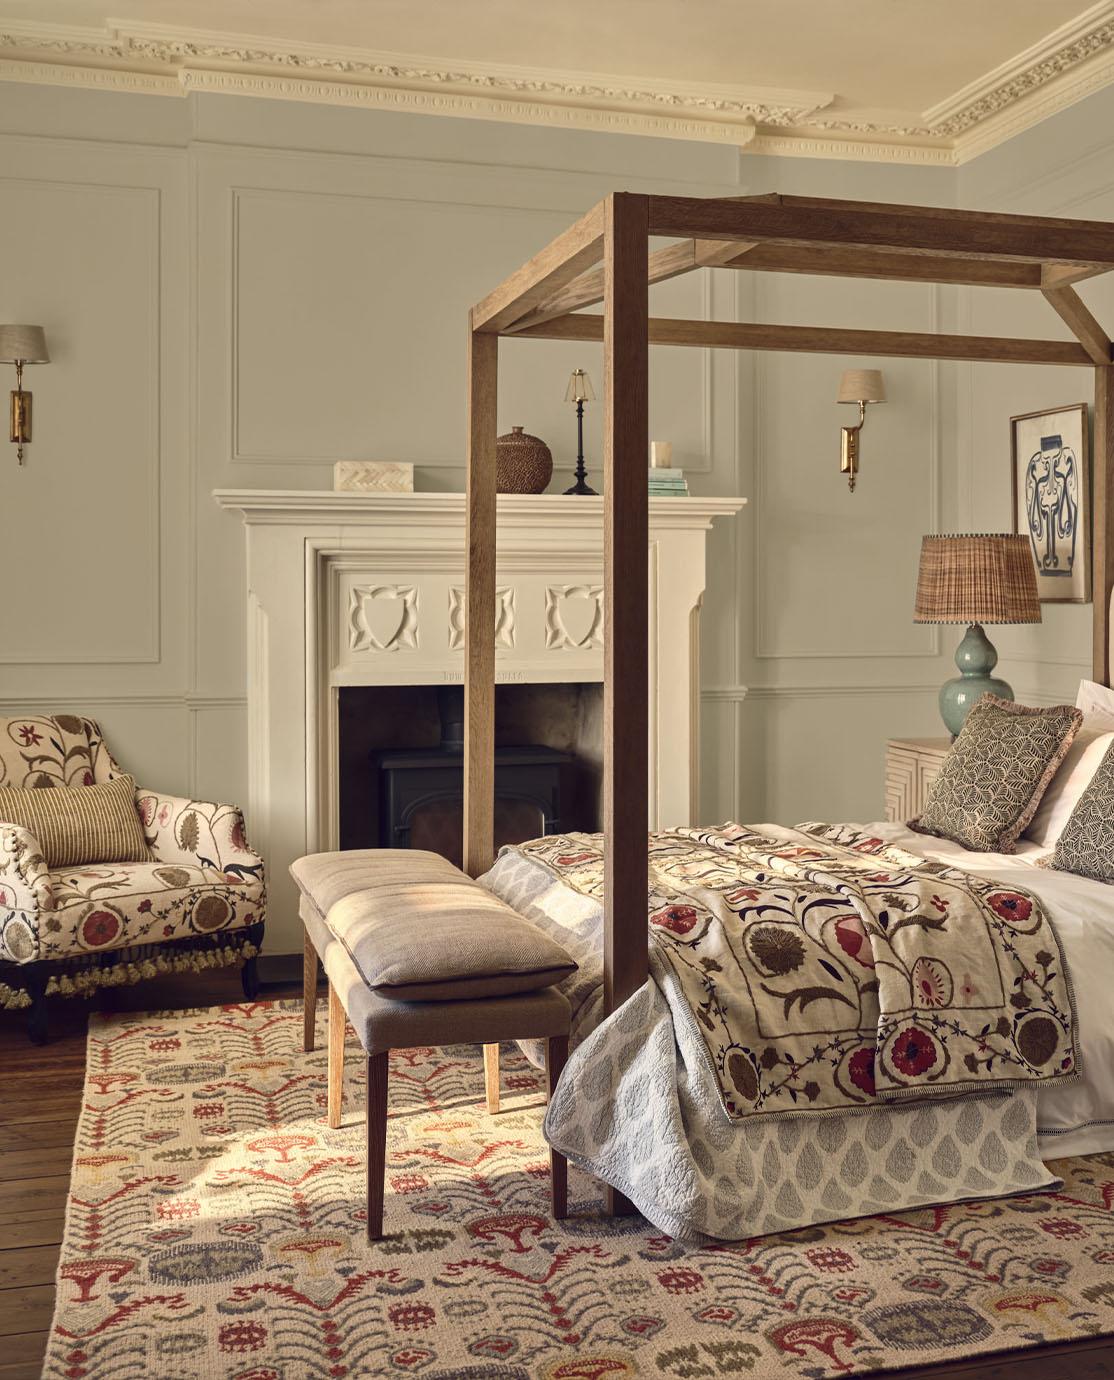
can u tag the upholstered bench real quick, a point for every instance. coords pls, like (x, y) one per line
(417, 953)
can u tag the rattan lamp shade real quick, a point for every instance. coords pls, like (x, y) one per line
(977, 578)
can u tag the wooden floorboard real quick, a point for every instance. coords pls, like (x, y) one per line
(21, 1355)
(38, 1118)
(33, 1229)
(32, 1265)
(27, 1309)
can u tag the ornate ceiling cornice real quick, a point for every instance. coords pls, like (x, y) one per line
(1067, 65)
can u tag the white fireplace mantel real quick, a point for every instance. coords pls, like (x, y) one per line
(367, 589)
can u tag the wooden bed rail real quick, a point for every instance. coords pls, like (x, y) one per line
(836, 340)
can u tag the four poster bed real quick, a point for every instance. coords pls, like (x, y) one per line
(671, 1098)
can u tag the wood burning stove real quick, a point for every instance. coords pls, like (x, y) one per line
(422, 789)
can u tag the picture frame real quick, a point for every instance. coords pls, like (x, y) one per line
(1050, 467)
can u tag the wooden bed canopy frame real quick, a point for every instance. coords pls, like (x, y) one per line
(605, 257)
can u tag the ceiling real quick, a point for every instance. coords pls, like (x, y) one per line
(902, 80)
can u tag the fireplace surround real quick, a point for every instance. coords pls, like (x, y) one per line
(364, 589)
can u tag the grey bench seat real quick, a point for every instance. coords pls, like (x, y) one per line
(416, 953)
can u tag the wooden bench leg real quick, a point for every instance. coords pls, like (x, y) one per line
(491, 1076)
(338, 1028)
(377, 1070)
(556, 1053)
(309, 992)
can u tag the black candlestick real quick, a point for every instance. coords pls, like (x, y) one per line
(581, 485)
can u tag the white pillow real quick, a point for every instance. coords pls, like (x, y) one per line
(1094, 698)
(1090, 746)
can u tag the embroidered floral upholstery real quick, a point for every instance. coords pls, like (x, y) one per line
(201, 882)
(54, 750)
(198, 833)
(115, 904)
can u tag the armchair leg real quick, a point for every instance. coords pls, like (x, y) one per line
(249, 979)
(378, 1066)
(309, 992)
(37, 1016)
(556, 1053)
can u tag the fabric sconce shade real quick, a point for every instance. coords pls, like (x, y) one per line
(975, 579)
(862, 385)
(20, 345)
(23, 345)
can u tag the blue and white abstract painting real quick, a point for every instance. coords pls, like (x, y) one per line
(1050, 451)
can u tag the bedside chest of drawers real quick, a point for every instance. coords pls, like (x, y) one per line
(911, 768)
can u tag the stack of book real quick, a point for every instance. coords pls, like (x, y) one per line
(668, 483)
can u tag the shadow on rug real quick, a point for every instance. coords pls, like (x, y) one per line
(216, 1229)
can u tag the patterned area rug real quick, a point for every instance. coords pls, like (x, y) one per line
(216, 1229)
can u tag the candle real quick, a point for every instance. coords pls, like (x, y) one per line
(661, 455)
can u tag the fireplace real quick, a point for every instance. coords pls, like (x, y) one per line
(356, 618)
(401, 764)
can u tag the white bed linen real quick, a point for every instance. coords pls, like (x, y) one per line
(1078, 1118)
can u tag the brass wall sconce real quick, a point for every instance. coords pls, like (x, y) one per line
(20, 345)
(859, 386)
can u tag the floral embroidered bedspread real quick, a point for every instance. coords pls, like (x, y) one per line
(839, 970)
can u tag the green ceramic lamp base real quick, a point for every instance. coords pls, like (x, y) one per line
(976, 658)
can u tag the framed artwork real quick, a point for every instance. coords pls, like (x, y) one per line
(1052, 499)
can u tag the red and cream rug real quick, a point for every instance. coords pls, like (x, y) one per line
(216, 1229)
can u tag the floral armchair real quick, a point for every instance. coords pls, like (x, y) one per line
(198, 901)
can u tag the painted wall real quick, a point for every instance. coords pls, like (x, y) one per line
(1063, 167)
(239, 292)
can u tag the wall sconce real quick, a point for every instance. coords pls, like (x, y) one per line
(860, 386)
(20, 345)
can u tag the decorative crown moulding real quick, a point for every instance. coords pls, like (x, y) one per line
(1071, 62)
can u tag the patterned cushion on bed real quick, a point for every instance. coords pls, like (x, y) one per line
(996, 772)
(1086, 845)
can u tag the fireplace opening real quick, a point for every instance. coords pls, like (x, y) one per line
(402, 775)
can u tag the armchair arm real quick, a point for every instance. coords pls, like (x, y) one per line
(199, 833)
(25, 890)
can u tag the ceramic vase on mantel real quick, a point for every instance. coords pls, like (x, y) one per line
(523, 463)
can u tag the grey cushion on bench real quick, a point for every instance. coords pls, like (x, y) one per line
(382, 1024)
(417, 929)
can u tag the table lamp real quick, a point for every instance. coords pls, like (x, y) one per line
(975, 579)
(580, 391)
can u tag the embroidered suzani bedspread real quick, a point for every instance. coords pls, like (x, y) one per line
(836, 971)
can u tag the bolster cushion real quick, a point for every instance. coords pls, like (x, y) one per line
(419, 929)
(79, 824)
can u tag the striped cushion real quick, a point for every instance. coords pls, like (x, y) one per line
(79, 824)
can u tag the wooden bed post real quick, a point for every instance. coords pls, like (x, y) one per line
(1103, 508)
(625, 547)
(479, 605)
